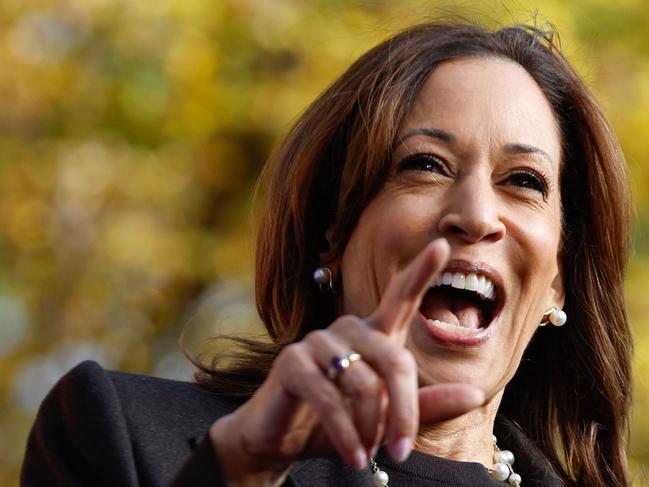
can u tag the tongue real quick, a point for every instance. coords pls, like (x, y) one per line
(457, 311)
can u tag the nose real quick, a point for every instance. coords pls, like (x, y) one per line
(471, 213)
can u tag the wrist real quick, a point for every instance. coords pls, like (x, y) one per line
(241, 466)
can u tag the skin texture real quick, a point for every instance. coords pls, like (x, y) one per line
(473, 194)
(477, 197)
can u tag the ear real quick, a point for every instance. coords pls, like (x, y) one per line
(325, 247)
(557, 292)
(326, 256)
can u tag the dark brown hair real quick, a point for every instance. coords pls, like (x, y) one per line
(571, 393)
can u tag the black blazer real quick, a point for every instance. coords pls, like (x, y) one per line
(101, 428)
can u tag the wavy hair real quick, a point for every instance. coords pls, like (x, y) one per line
(571, 392)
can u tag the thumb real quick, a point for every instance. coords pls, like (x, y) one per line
(447, 401)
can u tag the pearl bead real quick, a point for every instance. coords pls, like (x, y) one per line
(380, 478)
(500, 471)
(558, 317)
(505, 456)
(514, 480)
(320, 276)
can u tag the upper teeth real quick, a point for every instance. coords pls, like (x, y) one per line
(471, 282)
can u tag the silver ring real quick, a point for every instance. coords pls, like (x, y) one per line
(340, 363)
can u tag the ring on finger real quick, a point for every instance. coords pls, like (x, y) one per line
(340, 363)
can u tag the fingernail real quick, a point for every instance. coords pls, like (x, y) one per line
(441, 241)
(360, 459)
(401, 449)
(478, 397)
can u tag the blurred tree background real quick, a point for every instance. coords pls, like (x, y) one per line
(131, 133)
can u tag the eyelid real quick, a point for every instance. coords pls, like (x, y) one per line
(540, 176)
(544, 179)
(424, 155)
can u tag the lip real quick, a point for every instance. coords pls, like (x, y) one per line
(448, 338)
(481, 335)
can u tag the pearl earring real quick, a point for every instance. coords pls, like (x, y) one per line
(554, 315)
(322, 277)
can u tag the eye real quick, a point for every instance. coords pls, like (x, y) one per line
(423, 162)
(528, 179)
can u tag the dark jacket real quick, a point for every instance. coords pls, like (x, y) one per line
(101, 428)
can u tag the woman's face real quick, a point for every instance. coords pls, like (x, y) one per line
(477, 162)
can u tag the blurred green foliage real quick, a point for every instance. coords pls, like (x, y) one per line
(131, 133)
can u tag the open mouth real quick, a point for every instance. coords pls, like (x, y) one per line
(462, 303)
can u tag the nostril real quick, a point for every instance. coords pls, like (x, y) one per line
(471, 228)
(495, 236)
(454, 229)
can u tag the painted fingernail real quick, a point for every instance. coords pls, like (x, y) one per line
(475, 397)
(401, 449)
(440, 241)
(360, 459)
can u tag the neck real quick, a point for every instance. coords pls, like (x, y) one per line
(467, 438)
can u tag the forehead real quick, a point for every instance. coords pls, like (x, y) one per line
(486, 100)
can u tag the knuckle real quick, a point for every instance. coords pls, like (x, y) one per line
(345, 322)
(402, 422)
(327, 404)
(366, 384)
(292, 354)
(316, 337)
(400, 361)
(296, 381)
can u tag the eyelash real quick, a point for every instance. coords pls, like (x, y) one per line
(523, 178)
(422, 162)
(538, 181)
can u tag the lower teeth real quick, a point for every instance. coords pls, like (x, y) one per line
(460, 330)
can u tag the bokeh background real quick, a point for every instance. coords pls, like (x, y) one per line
(131, 133)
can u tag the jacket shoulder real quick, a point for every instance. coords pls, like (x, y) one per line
(79, 434)
(153, 396)
(183, 408)
(127, 429)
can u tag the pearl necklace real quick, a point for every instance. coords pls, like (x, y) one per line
(502, 469)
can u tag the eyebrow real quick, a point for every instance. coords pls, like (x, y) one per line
(519, 148)
(431, 132)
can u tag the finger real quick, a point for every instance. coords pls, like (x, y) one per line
(398, 368)
(446, 401)
(359, 383)
(303, 378)
(406, 289)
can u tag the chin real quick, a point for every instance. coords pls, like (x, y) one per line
(482, 362)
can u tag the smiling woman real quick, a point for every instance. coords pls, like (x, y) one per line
(452, 192)
(459, 173)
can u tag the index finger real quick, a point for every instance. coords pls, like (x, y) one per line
(406, 289)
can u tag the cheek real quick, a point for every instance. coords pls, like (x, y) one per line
(389, 233)
(537, 267)
(404, 226)
(538, 240)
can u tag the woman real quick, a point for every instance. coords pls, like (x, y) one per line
(453, 190)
